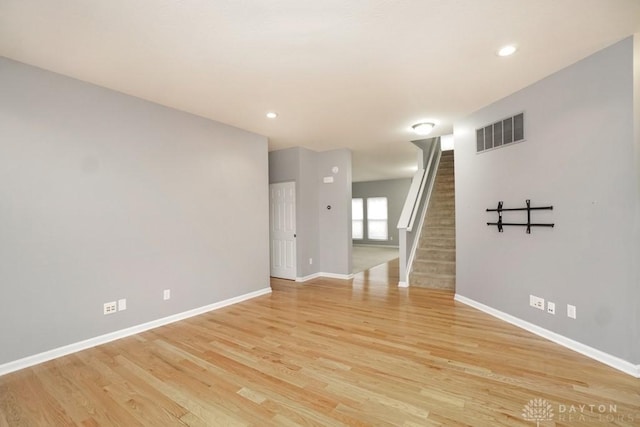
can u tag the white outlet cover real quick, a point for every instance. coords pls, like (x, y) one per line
(110, 307)
(166, 294)
(551, 307)
(571, 311)
(122, 304)
(536, 302)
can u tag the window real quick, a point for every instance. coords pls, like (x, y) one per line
(375, 215)
(357, 219)
(377, 218)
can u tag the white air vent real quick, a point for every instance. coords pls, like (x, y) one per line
(501, 133)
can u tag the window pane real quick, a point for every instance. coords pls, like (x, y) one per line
(356, 229)
(357, 219)
(356, 209)
(377, 208)
(377, 229)
(377, 218)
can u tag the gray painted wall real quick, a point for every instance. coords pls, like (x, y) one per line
(308, 213)
(335, 223)
(104, 196)
(284, 165)
(395, 190)
(579, 156)
(322, 235)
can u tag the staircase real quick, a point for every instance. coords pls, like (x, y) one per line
(434, 265)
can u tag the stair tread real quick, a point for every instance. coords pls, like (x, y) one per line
(435, 261)
(435, 228)
(437, 241)
(452, 248)
(433, 275)
(439, 234)
(438, 249)
(444, 213)
(426, 237)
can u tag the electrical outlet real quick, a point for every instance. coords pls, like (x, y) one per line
(536, 302)
(571, 311)
(122, 304)
(166, 294)
(310, 261)
(551, 307)
(110, 307)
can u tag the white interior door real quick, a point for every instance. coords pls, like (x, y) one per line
(282, 201)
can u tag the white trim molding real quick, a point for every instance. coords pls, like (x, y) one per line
(328, 275)
(600, 356)
(112, 336)
(337, 276)
(309, 277)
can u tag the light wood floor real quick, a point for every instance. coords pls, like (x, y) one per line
(325, 353)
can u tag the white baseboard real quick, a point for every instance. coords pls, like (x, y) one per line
(600, 356)
(309, 277)
(112, 336)
(403, 284)
(328, 275)
(337, 276)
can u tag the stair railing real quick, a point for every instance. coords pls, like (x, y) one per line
(415, 206)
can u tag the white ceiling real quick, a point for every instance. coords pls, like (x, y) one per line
(340, 73)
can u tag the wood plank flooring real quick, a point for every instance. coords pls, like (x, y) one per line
(325, 353)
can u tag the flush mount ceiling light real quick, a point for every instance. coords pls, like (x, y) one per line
(423, 128)
(272, 115)
(507, 50)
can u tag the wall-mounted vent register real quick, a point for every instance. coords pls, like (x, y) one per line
(501, 133)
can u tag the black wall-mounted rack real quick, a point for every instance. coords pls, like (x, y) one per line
(528, 224)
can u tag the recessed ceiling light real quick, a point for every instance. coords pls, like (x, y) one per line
(423, 128)
(507, 50)
(272, 115)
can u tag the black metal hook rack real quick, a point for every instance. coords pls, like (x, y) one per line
(528, 224)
